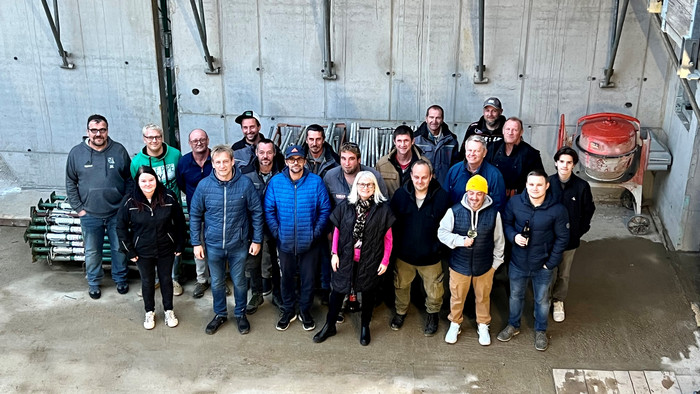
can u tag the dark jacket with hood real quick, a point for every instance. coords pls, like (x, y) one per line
(229, 209)
(330, 160)
(378, 222)
(479, 128)
(149, 231)
(98, 181)
(443, 154)
(576, 196)
(549, 231)
(415, 229)
(514, 168)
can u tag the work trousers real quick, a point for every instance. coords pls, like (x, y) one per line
(459, 287)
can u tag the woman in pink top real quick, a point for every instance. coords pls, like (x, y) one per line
(360, 252)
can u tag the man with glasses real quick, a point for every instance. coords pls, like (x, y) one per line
(163, 158)
(97, 179)
(191, 169)
(296, 211)
(244, 150)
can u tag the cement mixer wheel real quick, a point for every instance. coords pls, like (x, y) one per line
(627, 199)
(638, 225)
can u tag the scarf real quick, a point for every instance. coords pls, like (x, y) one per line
(361, 209)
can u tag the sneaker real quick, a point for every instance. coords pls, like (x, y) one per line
(508, 333)
(122, 288)
(215, 323)
(451, 336)
(397, 321)
(95, 292)
(285, 319)
(177, 289)
(267, 286)
(340, 318)
(199, 289)
(431, 325)
(558, 314)
(307, 322)
(243, 325)
(170, 319)
(255, 301)
(484, 336)
(541, 340)
(140, 291)
(228, 290)
(150, 321)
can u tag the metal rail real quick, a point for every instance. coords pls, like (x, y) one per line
(56, 30)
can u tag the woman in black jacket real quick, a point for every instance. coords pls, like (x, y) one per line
(151, 229)
(361, 250)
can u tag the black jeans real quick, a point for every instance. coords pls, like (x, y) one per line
(305, 264)
(336, 302)
(147, 268)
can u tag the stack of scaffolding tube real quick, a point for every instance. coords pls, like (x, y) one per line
(287, 135)
(55, 235)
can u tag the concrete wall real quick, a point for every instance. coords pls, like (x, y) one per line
(43, 108)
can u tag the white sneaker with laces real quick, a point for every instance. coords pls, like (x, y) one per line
(150, 321)
(484, 336)
(170, 319)
(451, 336)
(558, 313)
(177, 289)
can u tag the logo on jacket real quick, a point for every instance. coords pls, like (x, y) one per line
(110, 161)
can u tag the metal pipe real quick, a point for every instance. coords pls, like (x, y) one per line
(613, 51)
(327, 63)
(199, 19)
(480, 67)
(55, 29)
(676, 63)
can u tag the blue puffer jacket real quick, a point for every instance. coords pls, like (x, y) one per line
(549, 231)
(458, 176)
(228, 208)
(296, 212)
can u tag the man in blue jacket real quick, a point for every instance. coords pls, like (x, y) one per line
(538, 227)
(297, 208)
(230, 207)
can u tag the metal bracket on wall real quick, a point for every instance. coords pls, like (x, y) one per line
(56, 30)
(202, 29)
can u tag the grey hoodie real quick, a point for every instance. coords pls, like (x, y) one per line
(97, 181)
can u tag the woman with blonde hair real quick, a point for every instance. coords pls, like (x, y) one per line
(360, 253)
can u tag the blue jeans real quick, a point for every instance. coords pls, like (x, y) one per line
(94, 229)
(541, 278)
(236, 257)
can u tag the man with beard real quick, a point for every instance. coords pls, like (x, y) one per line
(320, 157)
(489, 126)
(438, 143)
(244, 149)
(263, 267)
(97, 179)
(395, 165)
(339, 180)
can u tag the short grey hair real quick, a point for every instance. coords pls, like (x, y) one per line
(151, 126)
(476, 138)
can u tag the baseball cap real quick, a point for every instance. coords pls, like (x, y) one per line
(477, 183)
(294, 150)
(490, 102)
(247, 115)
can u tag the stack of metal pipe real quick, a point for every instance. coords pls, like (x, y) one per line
(55, 235)
(374, 142)
(287, 135)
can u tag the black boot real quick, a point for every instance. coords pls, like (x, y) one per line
(431, 324)
(365, 337)
(326, 332)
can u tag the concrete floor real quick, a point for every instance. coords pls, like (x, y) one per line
(628, 309)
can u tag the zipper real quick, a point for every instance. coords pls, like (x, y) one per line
(171, 238)
(223, 225)
(295, 219)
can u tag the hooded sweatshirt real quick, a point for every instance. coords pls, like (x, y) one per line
(164, 165)
(97, 181)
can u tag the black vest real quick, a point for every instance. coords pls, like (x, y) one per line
(478, 259)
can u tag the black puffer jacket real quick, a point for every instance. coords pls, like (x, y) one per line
(379, 220)
(576, 196)
(152, 231)
(415, 230)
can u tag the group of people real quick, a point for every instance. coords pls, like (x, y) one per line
(287, 223)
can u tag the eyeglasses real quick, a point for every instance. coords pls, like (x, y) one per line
(153, 137)
(295, 160)
(199, 141)
(98, 131)
(365, 185)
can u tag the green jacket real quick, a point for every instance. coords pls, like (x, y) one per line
(164, 166)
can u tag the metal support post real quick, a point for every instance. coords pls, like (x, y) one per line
(202, 29)
(617, 26)
(56, 30)
(480, 67)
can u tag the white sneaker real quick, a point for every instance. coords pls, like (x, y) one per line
(150, 321)
(484, 336)
(558, 314)
(451, 336)
(177, 289)
(170, 319)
